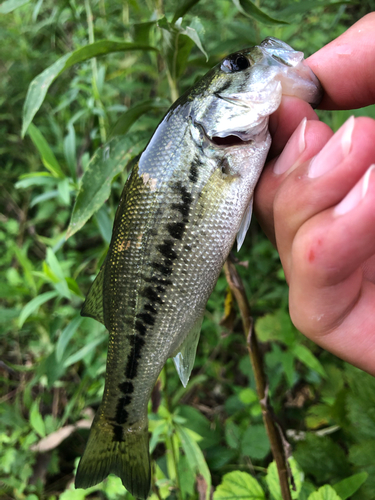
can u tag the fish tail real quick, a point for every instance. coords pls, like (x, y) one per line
(118, 449)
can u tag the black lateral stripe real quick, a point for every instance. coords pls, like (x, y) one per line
(147, 318)
(159, 281)
(164, 270)
(176, 229)
(134, 357)
(117, 433)
(150, 293)
(140, 327)
(121, 414)
(167, 250)
(182, 208)
(193, 173)
(126, 387)
(151, 308)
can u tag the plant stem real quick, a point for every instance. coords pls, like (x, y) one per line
(94, 68)
(238, 290)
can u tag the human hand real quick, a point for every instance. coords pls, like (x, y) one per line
(316, 202)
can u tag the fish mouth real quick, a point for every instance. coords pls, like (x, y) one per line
(229, 141)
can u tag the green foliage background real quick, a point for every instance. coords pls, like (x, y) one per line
(53, 361)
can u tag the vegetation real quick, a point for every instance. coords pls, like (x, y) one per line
(52, 373)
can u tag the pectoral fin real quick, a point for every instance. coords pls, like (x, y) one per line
(245, 223)
(93, 305)
(184, 359)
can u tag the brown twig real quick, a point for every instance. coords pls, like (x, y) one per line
(238, 290)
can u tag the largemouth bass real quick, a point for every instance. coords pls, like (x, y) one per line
(187, 197)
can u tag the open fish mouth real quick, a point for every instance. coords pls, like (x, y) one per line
(230, 140)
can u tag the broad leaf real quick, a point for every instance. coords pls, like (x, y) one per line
(248, 8)
(273, 481)
(239, 485)
(348, 486)
(307, 357)
(10, 5)
(95, 185)
(39, 86)
(255, 443)
(326, 492)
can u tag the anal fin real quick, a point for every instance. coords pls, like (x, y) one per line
(185, 357)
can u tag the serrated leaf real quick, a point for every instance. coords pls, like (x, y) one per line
(33, 305)
(47, 155)
(307, 357)
(326, 492)
(183, 7)
(239, 485)
(11, 5)
(95, 185)
(276, 326)
(255, 443)
(348, 486)
(39, 86)
(129, 117)
(248, 8)
(273, 481)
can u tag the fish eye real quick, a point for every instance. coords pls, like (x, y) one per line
(234, 63)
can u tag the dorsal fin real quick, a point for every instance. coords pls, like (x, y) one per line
(93, 305)
(185, 357)
(245, 223)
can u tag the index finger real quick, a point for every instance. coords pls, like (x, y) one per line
(346, 67)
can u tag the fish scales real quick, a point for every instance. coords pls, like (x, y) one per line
(187, 197)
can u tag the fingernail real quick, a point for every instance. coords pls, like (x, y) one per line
(354, 196)
(293, 150)
(334, 152)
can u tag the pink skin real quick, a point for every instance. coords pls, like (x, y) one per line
(321, 214)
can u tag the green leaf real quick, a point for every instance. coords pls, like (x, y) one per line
(66, 335)
(84, 351)
(10, 5)
(95, 185)
(255, 443)
(39, 86)
(239, 485)
(324, 459)
(129, 117)
(326, 492)
(183, 7)
(194, 455)
(36, 420)
(273, 481)
(33, 305)
(307, 357)
(47, 155)
(70, 151)
(348, 486)
(55, 267)
(249, 9)
(276, 326)
(308, 6)
(35, 179)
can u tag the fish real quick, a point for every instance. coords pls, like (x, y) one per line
(188, 197)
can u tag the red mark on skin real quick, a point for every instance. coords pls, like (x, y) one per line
(312, 252)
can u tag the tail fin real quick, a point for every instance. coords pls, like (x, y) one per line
(117, 449)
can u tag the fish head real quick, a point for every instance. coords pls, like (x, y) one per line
(237, 96)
